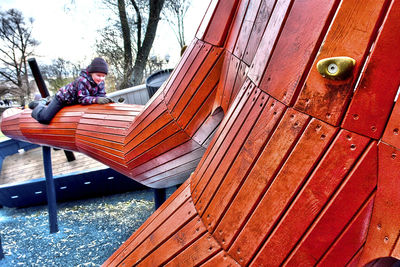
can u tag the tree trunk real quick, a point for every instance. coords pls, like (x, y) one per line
(144, 49)
(126, 82)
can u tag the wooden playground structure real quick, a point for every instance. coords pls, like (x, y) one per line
(283, 115)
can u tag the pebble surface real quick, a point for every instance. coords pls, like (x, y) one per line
(89, 230)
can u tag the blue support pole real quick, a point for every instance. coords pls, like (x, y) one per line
(1, 250)
(50, 188)
(160, 195)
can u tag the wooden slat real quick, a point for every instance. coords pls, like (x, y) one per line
(221, 259)
(392, 131)
(219, 25)
(247, 26)
(288, 181)
(236, 26)
(260, 24)
(351, 240)
(234, 130)
(270, 36)
(370, 107)
(178, 242)
(180, 196)
(327, 176)
(352, 194)
(385, 228)
(349, 35)
(261, 132)
(220, 137)
(282, 140)
(198, 252)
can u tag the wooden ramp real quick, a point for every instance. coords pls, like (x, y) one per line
(303, 170)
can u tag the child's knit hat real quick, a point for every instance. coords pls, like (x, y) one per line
(98, 65)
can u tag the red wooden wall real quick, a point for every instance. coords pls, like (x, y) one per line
(303, 170)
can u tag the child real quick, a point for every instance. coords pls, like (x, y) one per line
(88, 88)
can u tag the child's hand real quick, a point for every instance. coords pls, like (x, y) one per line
(104, 100)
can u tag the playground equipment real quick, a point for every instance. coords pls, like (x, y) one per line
(303, 168)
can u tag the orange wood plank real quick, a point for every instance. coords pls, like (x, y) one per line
(236, 26)
(207, 75)
(352, 194)
(385, 227)
(351, 240)
(261, 21)
(239, 81)
(396, 251)
(296, 47)
(206, 19)
(234, 130)
(160, 146)
(233, 69)
(247, 26)
(194, 59)
(178, 242)
(288, 181)
(178, 220)
(219, 25)
(349, 35)
(370, 106)
(198, 252)
(179, 197)
(261, 132)
(207, 129)
(221, 259)
(392, 132)
(220, 136)
(173, 155)
(326, 177)
(232, 152)
(270, 36)
(259, 178)
(221, 85)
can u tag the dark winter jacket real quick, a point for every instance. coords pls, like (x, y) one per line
(81, 91)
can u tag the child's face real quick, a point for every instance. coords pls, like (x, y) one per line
(98, 77)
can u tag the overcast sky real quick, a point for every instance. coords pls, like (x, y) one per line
(70, 33)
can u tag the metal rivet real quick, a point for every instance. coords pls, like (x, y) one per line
(386, 239)
(355, 117)
(396, 131)
(348, 137)
(373, 128)
(323, 137)
(353, 147)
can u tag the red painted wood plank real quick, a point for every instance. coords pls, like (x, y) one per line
(180, 196)
(349, 35)
(271, 34)
(222, 80)
(385, 227)
(178, 242)
(396, 251)
(157, 150)
(206, 19)
(247, 26)
(348, 199)
(296, 47)
(239, 81)
(392, 131)
(259, 178)
(370, 107)
(220, 136)
(219, 25)
(230, 79)
(231, 153)
(180, 151)
(198, 252)
(207, 76)
(178, 220)
(190, 66)
(226, 143)
(236, 26)
(261, 132)
(260, 24)
(288, 181)
(326, 177)
(207, 129)
(221, 259)
(351, 240)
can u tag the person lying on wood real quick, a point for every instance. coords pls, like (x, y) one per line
(88, 88)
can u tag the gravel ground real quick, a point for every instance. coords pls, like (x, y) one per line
(89, 230)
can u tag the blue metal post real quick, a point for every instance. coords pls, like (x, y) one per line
(50, 188)
(160, 195)
(1, 250)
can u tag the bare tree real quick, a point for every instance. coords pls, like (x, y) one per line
(16, 45)
(174, 13)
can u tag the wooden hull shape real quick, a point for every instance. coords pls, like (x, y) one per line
(302, 170)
